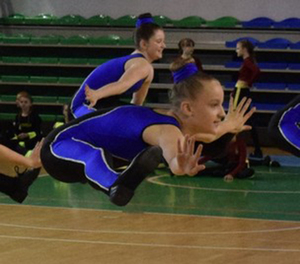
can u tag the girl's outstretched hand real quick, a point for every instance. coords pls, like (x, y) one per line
(237, 117)
(187, 157)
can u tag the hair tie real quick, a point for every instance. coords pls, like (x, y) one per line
(184, 72)
(145, 20)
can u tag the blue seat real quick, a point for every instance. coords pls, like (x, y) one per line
(270, 86)
(229, 84)
(259, 22)
(233, 64)
(268, 106)
(275, 43)
(294, 66)
(232, 44)
(288, 23)
(294, 86)
(226, 104)
(273, 65)
(295, 45)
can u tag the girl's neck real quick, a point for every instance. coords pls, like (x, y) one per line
(25, 112)
(137, 51)
(177, 117)
(245, 56)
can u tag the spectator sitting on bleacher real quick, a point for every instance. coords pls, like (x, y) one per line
(231, 158)
(130, 75)
(27, 125)
(66, 116)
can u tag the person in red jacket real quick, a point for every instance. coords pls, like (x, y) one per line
(230, 155)
(248, 74)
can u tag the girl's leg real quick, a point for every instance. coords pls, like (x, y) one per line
(71, 160)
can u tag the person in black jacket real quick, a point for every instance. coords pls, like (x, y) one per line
(27, 124)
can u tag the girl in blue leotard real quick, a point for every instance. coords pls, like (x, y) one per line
(284, 127)
(130, 75)
(81, 150)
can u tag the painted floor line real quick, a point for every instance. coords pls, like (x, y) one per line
(150, 244)
(132, 232)
(156, 180)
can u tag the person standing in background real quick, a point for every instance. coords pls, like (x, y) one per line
(248, 74)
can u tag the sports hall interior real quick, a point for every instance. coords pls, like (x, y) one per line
(49, 47)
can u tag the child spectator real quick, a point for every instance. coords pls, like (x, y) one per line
(27, 124)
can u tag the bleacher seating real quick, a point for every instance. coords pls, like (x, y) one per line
(191, 21)
(292, 22)
(232, 43)
(222, 22)
(275, 43)
(270, 86)
(129, 21)
(52, 76)
(259, 22)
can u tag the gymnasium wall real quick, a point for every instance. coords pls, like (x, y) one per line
(175, 9)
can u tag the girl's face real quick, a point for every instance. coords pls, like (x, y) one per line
(206, 110)
(24, 103)
(155, 45)
(240, 50)
(187, 48)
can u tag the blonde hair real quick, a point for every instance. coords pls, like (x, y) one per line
(23, 94)
(188, 88)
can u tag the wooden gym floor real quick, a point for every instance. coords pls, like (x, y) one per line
(170, 220)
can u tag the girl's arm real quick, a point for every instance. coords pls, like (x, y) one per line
(135, 72)
(178, 150)
(139, 96)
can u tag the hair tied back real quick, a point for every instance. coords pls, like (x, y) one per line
(184, 72)
(144, 20)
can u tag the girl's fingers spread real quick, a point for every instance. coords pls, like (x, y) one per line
(191, 146)
(241, 104)
(179, 149)
(230, 104)
(246, 128)
(185, 143)
(199, 151)
(248, 115)
(200, 167)
(196, 170)
(246, 106)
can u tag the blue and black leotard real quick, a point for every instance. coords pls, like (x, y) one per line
(109, 72)
(78, 150)
(284, 127)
